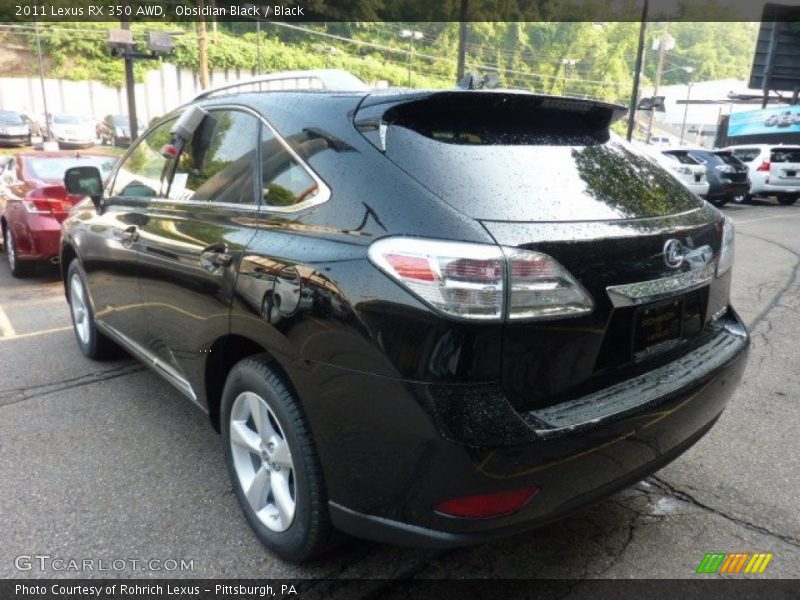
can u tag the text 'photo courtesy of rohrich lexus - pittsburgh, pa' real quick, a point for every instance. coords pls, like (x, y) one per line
(427, 318)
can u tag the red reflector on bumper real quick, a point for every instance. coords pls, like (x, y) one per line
(487, 505)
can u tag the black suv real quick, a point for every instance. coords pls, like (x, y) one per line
(423, 317)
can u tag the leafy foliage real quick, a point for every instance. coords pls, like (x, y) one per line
(580, 58)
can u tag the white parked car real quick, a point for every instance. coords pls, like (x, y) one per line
(774, 170)
(685, 168)
(73, 130)
(660, 140)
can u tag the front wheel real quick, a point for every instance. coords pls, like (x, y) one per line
(273, 463)
(91, 342)
(787, 200)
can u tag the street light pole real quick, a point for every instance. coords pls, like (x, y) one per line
(47, 135)
(638, 74)
(411, 36)
(686, 108)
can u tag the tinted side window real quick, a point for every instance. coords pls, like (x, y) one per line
(284, 181)
(729, 159)
(144, 173)
(217, 165)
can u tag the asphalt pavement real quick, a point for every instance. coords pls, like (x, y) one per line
(105, 461)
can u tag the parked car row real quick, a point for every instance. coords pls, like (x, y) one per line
(69, 130)
(736, 173)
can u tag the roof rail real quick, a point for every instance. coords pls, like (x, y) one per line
(315, 79)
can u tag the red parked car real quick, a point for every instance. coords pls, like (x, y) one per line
(33, 203)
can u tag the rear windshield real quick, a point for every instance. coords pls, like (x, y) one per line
(746, 154)
(729, 159)
(683, 158)
(52, 169)
(786, 155)
(550, 177)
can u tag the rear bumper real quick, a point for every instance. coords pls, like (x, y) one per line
(39, 238)
(404, 447)
(769, 189)
(728, 189)
(14, 139)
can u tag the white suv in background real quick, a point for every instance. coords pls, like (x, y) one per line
(774, 170)
(684, 168)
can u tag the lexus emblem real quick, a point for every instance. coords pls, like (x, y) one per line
(674, 253)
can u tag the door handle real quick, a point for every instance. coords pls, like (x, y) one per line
(216, 255)
(129, 235)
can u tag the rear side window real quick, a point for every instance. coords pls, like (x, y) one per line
(144, 173)
(217, 165)
(785, 155)
(746, 154)
(682, 157)
(284, 181)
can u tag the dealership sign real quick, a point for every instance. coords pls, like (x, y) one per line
(785, 119)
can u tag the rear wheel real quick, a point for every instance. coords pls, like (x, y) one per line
(742, 199)
(273, 463)
(787, 200)
(19, 268)
(91, 342)
(719, 202)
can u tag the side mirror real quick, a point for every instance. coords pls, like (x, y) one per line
(85, 181)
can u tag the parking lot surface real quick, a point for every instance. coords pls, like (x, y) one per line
(106, 461)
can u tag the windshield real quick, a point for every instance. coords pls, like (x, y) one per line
(10, 118)
(66, 120)
(52, 169)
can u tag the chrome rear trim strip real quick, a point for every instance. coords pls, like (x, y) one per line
(644, 292)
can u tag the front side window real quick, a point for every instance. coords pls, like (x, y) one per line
(284, 181)
(144, 173)
(217, 164)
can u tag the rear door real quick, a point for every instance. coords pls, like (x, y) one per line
(785, 167)
(192, 242)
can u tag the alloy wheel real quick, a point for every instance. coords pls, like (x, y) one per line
(79, 308)
(263, 462)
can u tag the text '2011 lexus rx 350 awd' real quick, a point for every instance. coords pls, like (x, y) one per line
(421, 317)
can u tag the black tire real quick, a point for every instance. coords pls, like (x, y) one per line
(787, 200)
(19, 268)
(742, 199)
(310, 533)
(96, 346)
(720, 202)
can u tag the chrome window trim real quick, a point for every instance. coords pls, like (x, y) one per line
(322, 196)
(643, 292)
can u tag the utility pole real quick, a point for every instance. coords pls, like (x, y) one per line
(130, 81)
(462, 41)
(202, 47)
(638, 74)
(663, 48)
(47, 136)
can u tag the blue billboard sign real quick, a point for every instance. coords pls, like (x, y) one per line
(782, 120)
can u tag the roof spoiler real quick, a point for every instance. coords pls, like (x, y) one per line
(486, 116)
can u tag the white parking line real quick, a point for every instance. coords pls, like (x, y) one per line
(20, 336)
(6, 330)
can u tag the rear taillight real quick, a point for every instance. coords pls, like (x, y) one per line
(37, 206)
(764, 166)
(478, 281)
(727, 250)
